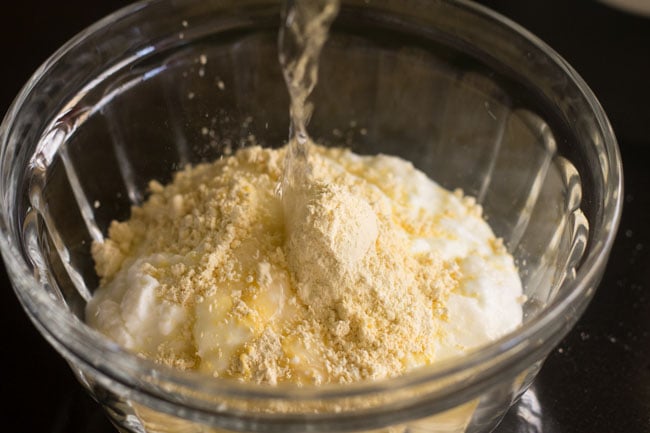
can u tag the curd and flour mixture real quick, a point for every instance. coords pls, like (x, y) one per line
(374, 270)
(356, 268)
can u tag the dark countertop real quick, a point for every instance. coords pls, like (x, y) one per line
(597, 380)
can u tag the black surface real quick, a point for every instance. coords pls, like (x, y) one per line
(597, 380)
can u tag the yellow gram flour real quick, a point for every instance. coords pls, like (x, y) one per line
(325, 289)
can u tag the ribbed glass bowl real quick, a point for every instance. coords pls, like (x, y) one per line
(472, 99)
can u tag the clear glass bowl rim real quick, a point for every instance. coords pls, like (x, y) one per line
(82, 344)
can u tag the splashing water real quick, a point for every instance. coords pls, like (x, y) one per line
(303, 33)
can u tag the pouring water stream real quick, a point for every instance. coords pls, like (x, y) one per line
(305, 25)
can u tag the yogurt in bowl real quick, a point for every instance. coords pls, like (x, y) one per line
(378, 270)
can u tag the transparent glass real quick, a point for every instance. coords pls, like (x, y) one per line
(474, 100)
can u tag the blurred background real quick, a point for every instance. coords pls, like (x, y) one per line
(596, 380)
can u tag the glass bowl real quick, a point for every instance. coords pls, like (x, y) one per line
(472, 99)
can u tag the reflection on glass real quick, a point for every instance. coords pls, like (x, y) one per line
(526, 416)
(529, 413)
